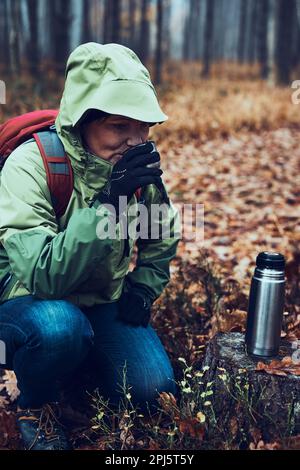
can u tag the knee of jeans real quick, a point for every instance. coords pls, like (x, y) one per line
(64, 327)
(148, 390)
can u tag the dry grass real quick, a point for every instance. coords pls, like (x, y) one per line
(234, 99)
(228, 103)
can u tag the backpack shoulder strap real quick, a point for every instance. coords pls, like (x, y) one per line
(58, 169)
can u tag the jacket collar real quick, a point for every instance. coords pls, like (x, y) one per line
(92, 170)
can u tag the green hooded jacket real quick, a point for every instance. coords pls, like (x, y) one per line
(65, 259)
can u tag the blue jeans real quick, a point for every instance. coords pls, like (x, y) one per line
(47, 340)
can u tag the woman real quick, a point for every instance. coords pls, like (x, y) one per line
(70, 297)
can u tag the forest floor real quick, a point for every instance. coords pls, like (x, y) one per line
(234, 147)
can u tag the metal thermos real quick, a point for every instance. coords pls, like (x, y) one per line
(266, 305)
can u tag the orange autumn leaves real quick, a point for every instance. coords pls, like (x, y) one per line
(283, 367)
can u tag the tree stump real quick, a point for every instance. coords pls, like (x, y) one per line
(249, 404)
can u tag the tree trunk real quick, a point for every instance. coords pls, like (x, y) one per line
(32, 46)
(242, 31)
(298, 10)
(4, 50)
(158, 52)
(262, 36)
(107, 21)
(187, 40)
(14, 37)
(246, 401)
(208, 37)
(271, 37)
(283, 53)
(86, 23)
(296, 36)
(220, 30)
(194, 22)
(252, 31)
(116, 21)
(132, 24)
(166, 33)
(60, 21)
(112, 21)
(144, 33)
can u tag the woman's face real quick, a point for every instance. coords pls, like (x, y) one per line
(111, 136)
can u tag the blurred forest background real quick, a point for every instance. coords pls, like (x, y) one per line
(267, 32)
(223, 70)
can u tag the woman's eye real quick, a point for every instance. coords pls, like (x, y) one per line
(144, 125)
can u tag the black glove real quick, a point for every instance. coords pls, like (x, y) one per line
(134, 307)
(131, 173)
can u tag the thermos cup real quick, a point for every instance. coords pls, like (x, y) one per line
(266, 304)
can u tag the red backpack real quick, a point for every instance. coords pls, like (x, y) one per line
(40, 126)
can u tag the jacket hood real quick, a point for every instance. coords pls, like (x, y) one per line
(110, 78)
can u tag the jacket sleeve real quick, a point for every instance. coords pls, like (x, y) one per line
(151, 273)
(50, 264)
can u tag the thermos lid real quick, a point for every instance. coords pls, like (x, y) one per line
(267, 259)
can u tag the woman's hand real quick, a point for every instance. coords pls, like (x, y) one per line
(130, 173)
(134, 308)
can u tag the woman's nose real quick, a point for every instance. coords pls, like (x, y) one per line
(135, 139)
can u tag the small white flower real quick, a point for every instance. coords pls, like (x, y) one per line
(181, 359)
(199, 374)
(223, 377)
(201, 417)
